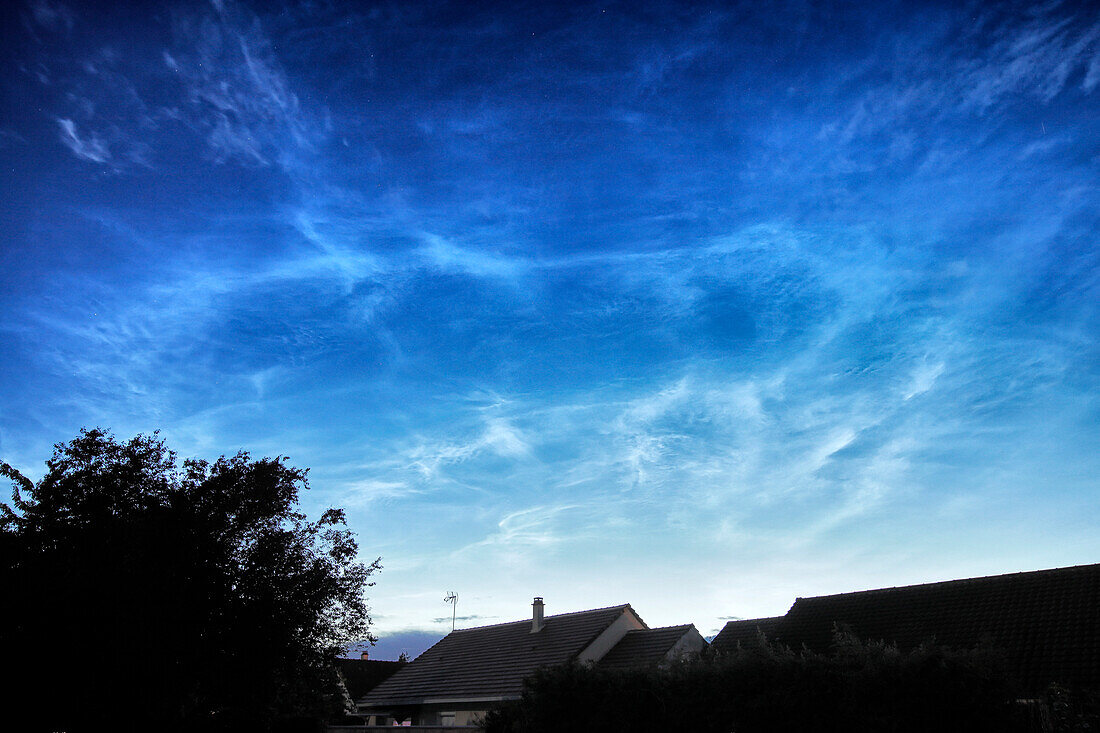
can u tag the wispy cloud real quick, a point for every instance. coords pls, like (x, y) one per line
(498, 436)
(539, 526)
(89, 148)
(367, 492)
(470, 617)
(924, 377)
(1092, 77)
(443, 254)
(53, 16)
(1035, 58)
(237, 91)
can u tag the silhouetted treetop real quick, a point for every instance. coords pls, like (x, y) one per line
(195, 592)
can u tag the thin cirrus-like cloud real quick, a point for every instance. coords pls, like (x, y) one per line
(89, 147)
(53, 16)
(235, 90)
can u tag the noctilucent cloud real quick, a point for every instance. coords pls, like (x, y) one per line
(700, 308)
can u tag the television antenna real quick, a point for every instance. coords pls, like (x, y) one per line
(452, 598)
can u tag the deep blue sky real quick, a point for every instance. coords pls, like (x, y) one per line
(698, 308)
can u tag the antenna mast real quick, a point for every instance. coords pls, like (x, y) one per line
(452, 598)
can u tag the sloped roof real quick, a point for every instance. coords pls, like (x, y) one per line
(491, 662)
(744, 632)
(363, 675)
(644, 647)
(1047, 621)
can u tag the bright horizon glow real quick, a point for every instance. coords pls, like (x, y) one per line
(699, 310)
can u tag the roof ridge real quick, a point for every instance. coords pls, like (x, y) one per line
(956, 581)
(546, 618)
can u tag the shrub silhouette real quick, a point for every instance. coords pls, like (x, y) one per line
(764, 688)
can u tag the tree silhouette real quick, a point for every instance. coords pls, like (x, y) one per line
(141, 590)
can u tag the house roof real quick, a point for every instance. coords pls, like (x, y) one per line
(491, 662)
(744, 632)
(644, 647)
(1047, 621)
(362, 675)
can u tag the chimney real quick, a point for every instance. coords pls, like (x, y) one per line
(536, 615)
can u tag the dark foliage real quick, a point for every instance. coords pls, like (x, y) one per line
(1072, 711)
(143, 593)
(768, 689)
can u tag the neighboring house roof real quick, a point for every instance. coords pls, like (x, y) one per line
(1047, 622)
(363, 675)
(491, 662)
(744, 632)
(644, 647)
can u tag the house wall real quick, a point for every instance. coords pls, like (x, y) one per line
(435, 714)
(440, 713)
(690, 644)
(610, 637)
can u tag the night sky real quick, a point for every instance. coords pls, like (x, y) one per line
(697, 308)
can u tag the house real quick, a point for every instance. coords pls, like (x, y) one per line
(744, 632)
(469, 671)
(1046, 622)
(647, 648)
(360, 676)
